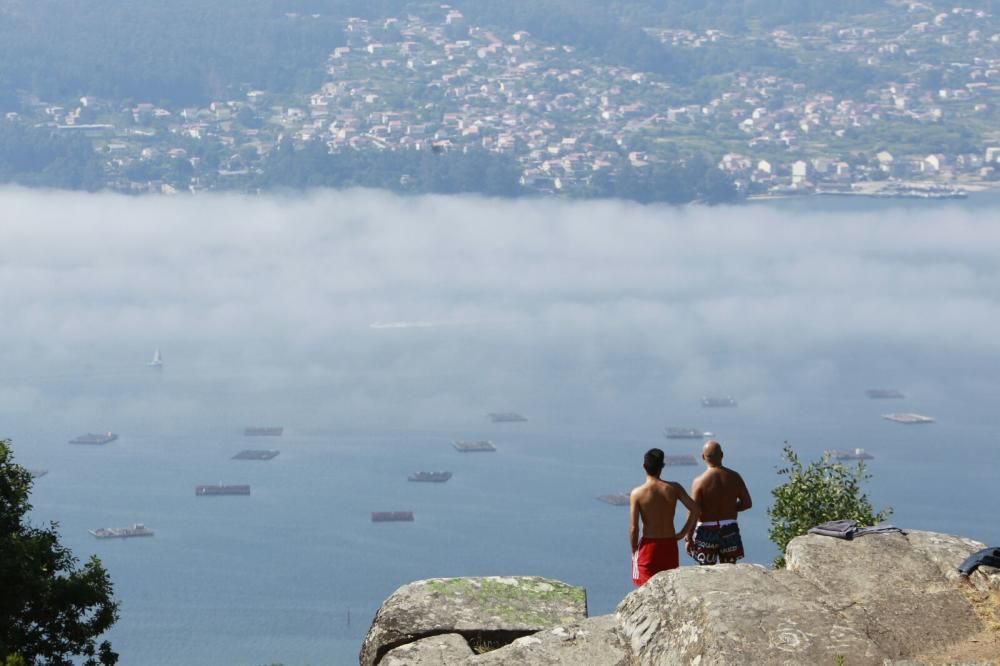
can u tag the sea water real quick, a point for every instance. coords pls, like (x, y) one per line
(295, 572)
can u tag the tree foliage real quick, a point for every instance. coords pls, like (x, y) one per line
(679, 182)
(39, 157)
(187, 52)
(50, 608)
(824, 490)
(615, 31)
(176, 53)
(409, 171)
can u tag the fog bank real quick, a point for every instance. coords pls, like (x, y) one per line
(360, 307)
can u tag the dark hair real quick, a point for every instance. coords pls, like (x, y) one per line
(652, 462)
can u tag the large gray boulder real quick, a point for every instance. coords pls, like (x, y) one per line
(882, 599)
(947, 552)
(902, 591)
(487, 612)
(737, 614)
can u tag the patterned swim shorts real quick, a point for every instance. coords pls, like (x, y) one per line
(716, 542)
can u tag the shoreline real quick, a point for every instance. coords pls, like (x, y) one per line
(882, 190)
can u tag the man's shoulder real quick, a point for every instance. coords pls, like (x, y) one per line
(672, 489)
(729, 471)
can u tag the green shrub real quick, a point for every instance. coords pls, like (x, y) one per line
(822, 491)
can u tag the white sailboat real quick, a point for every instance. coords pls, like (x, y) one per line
(157, 361)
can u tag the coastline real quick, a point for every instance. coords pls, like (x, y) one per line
(958, 188)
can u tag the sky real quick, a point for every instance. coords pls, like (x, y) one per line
(363, 308)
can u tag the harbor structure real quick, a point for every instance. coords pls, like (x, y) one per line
(256, 454)
(710, 401)
(471, 446)
(263, 431)
(506, 417)
(884, 394)
(429, 477)
(222, 489)
(908, 418)
(134, 530)
(392, 516)
(91, 438)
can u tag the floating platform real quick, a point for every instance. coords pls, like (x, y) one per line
(685, 433)
(263, 431)
(709, 401)
(256, 454)
(679, 460)
(91, 438)
(849, 454)
(506, 417)
(909, 418)
(136, 530)
(392, 516)
(615, 499)
(221, 489)
(884, 394)
(430, 477)
(470, 446)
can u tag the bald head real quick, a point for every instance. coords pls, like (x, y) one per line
(712, 453)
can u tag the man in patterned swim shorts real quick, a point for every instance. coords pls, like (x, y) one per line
(721, 494)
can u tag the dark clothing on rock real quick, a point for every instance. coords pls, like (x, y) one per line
(848, 529)
(989, 557)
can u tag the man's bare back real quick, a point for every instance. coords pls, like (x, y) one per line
(721, 494)
(655, 504)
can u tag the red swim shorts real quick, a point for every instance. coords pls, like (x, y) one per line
(653, 556)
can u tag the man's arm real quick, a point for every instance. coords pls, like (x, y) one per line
(696, 496)
(743, 501)
(694, 511)
(633, 514)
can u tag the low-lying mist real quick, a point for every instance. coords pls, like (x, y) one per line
(356, 309)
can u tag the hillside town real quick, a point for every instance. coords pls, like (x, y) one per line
(435, 82)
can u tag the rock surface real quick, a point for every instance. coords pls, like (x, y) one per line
(880, 599)
(490, 611)
(593, 641)
(737, 614)
(887, 588)
(441, 650)
(945, 550)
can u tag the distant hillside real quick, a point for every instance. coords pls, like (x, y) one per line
(177, 52)
(190, 51)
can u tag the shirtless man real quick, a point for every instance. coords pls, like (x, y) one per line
(721, 494)
(655, 502)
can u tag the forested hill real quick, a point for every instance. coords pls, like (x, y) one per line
(172, 52)
(181, 52)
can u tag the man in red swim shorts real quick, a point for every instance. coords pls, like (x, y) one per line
(655, 503)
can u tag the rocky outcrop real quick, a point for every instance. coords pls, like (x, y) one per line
(879, 599)
(737, 614)
(888, 589)
(487, 612)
